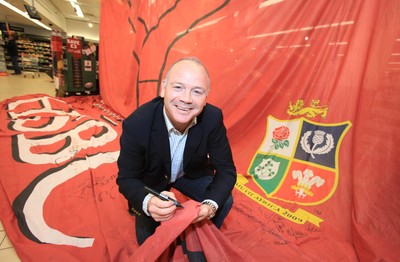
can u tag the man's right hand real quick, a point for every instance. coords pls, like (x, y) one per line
(161, 210)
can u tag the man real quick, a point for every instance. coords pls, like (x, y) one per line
(12, 51)
(176, 140)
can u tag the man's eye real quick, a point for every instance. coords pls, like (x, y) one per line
(177, 87)
(198, 92)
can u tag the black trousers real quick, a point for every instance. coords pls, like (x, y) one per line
(14, 61)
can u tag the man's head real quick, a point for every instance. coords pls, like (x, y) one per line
(185, 90)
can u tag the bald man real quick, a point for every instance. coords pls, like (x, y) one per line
(176, 140)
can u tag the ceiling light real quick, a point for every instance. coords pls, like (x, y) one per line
(77, 8)
(90, 25)
(24, 14)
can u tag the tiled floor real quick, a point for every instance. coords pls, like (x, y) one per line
(15, 85)
(7, 252)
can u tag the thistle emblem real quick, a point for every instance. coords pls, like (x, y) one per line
(306, 180)
(322, 143)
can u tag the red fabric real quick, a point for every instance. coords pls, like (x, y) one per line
(280, 71)
(57, 180)
(200, 237)
(166, 234)
(337, 59)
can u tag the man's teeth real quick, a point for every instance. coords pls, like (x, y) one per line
(183, 108)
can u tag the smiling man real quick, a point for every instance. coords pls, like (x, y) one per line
(176, 140)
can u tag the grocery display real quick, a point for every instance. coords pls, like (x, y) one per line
(29, 46)
(3, 67)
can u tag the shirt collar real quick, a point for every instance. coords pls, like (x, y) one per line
(171, 128)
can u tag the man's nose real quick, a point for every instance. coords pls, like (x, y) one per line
(186, 96)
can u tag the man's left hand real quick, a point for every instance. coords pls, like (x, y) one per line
(205, 212)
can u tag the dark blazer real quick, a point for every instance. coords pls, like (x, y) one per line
(145, 154)
(12, 49)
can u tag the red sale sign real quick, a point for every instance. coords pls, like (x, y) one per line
(74, 47)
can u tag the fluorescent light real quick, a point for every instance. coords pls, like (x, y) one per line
(24, 14)
(78, 11)
(77, 8)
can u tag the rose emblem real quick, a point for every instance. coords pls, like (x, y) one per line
(280, 135)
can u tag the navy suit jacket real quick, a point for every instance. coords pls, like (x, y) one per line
(145, 154)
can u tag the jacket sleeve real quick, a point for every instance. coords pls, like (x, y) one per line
(131, 165)
(221, 160)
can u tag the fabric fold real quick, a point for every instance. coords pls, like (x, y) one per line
(179, 240)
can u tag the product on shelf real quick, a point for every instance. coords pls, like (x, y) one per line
(39, 48)
(3, 67)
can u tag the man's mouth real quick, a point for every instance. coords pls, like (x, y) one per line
(183, 108)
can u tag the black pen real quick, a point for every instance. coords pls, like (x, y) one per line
(162, 196)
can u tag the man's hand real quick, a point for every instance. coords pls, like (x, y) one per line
(205, 212)
(161, 210)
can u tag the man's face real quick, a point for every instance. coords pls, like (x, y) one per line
(185, 92)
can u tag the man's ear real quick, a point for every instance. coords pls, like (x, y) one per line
(162, 92)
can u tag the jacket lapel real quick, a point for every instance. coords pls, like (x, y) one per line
(160, 138)
(192, 143)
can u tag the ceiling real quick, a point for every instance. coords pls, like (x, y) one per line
(63, 8)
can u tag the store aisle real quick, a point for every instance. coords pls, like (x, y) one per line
(10, 86)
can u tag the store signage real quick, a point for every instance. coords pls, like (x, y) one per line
(74, 47)
(56, 43)
(3, 27)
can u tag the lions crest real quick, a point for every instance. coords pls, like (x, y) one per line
(298, 160)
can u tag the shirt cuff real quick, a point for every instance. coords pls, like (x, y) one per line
(212, 202)
(145, 203)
